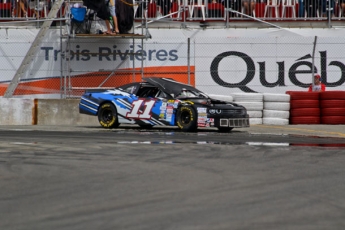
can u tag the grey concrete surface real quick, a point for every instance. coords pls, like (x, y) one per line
(87, 178)
(304, 130)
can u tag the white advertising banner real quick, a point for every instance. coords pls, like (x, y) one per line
(225, 60)
(268, 64)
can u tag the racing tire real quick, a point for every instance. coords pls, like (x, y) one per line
(270, 105)
(332, 103)
(276, 114)
(274, 121)
(333, 120)
(333, 112)
(305, 120)
(107, 116)
(255, 114)
(255, 121)
(247, 97)
(186, 118)
(251, 106)
(297, 104)
(305, 112)
(273, 97)
(332, 95)
(225, 129)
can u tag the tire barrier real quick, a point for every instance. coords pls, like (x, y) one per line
(326, 107)
(276, 109)
(253, 102)
(304, 107)
(294, 107)
(332, 106)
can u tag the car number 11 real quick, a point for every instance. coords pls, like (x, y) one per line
(137, 113)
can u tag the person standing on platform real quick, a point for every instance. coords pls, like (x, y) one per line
(113, 15)
(318, 86)
(19, 8)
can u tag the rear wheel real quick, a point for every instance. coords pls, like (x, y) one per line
(107, 116)
(186, 118)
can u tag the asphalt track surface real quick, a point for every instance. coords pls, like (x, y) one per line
(91, 178)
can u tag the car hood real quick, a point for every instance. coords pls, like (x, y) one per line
(169, 86)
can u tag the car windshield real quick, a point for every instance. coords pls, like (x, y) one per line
(190, 93)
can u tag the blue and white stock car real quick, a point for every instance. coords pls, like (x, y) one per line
(162, 102)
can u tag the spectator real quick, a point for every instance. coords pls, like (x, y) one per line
(249, 7)
(311, 8)
(325, 5)
(341, 7)
(318, 86)
(301, 9)
(113, 15)
(19, 7)
(165, 6)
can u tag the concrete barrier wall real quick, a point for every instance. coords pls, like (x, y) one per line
(18, 111)
(62, 112)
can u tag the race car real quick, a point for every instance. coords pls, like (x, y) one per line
(162, 102)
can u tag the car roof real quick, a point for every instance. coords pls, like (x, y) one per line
(169, 85)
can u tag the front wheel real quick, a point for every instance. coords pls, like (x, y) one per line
(186, 118)
(107, 116)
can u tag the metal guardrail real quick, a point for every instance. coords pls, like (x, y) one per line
(198, 10)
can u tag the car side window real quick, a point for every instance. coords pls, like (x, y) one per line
(130, 89)
(161, 94)
(147, 92)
